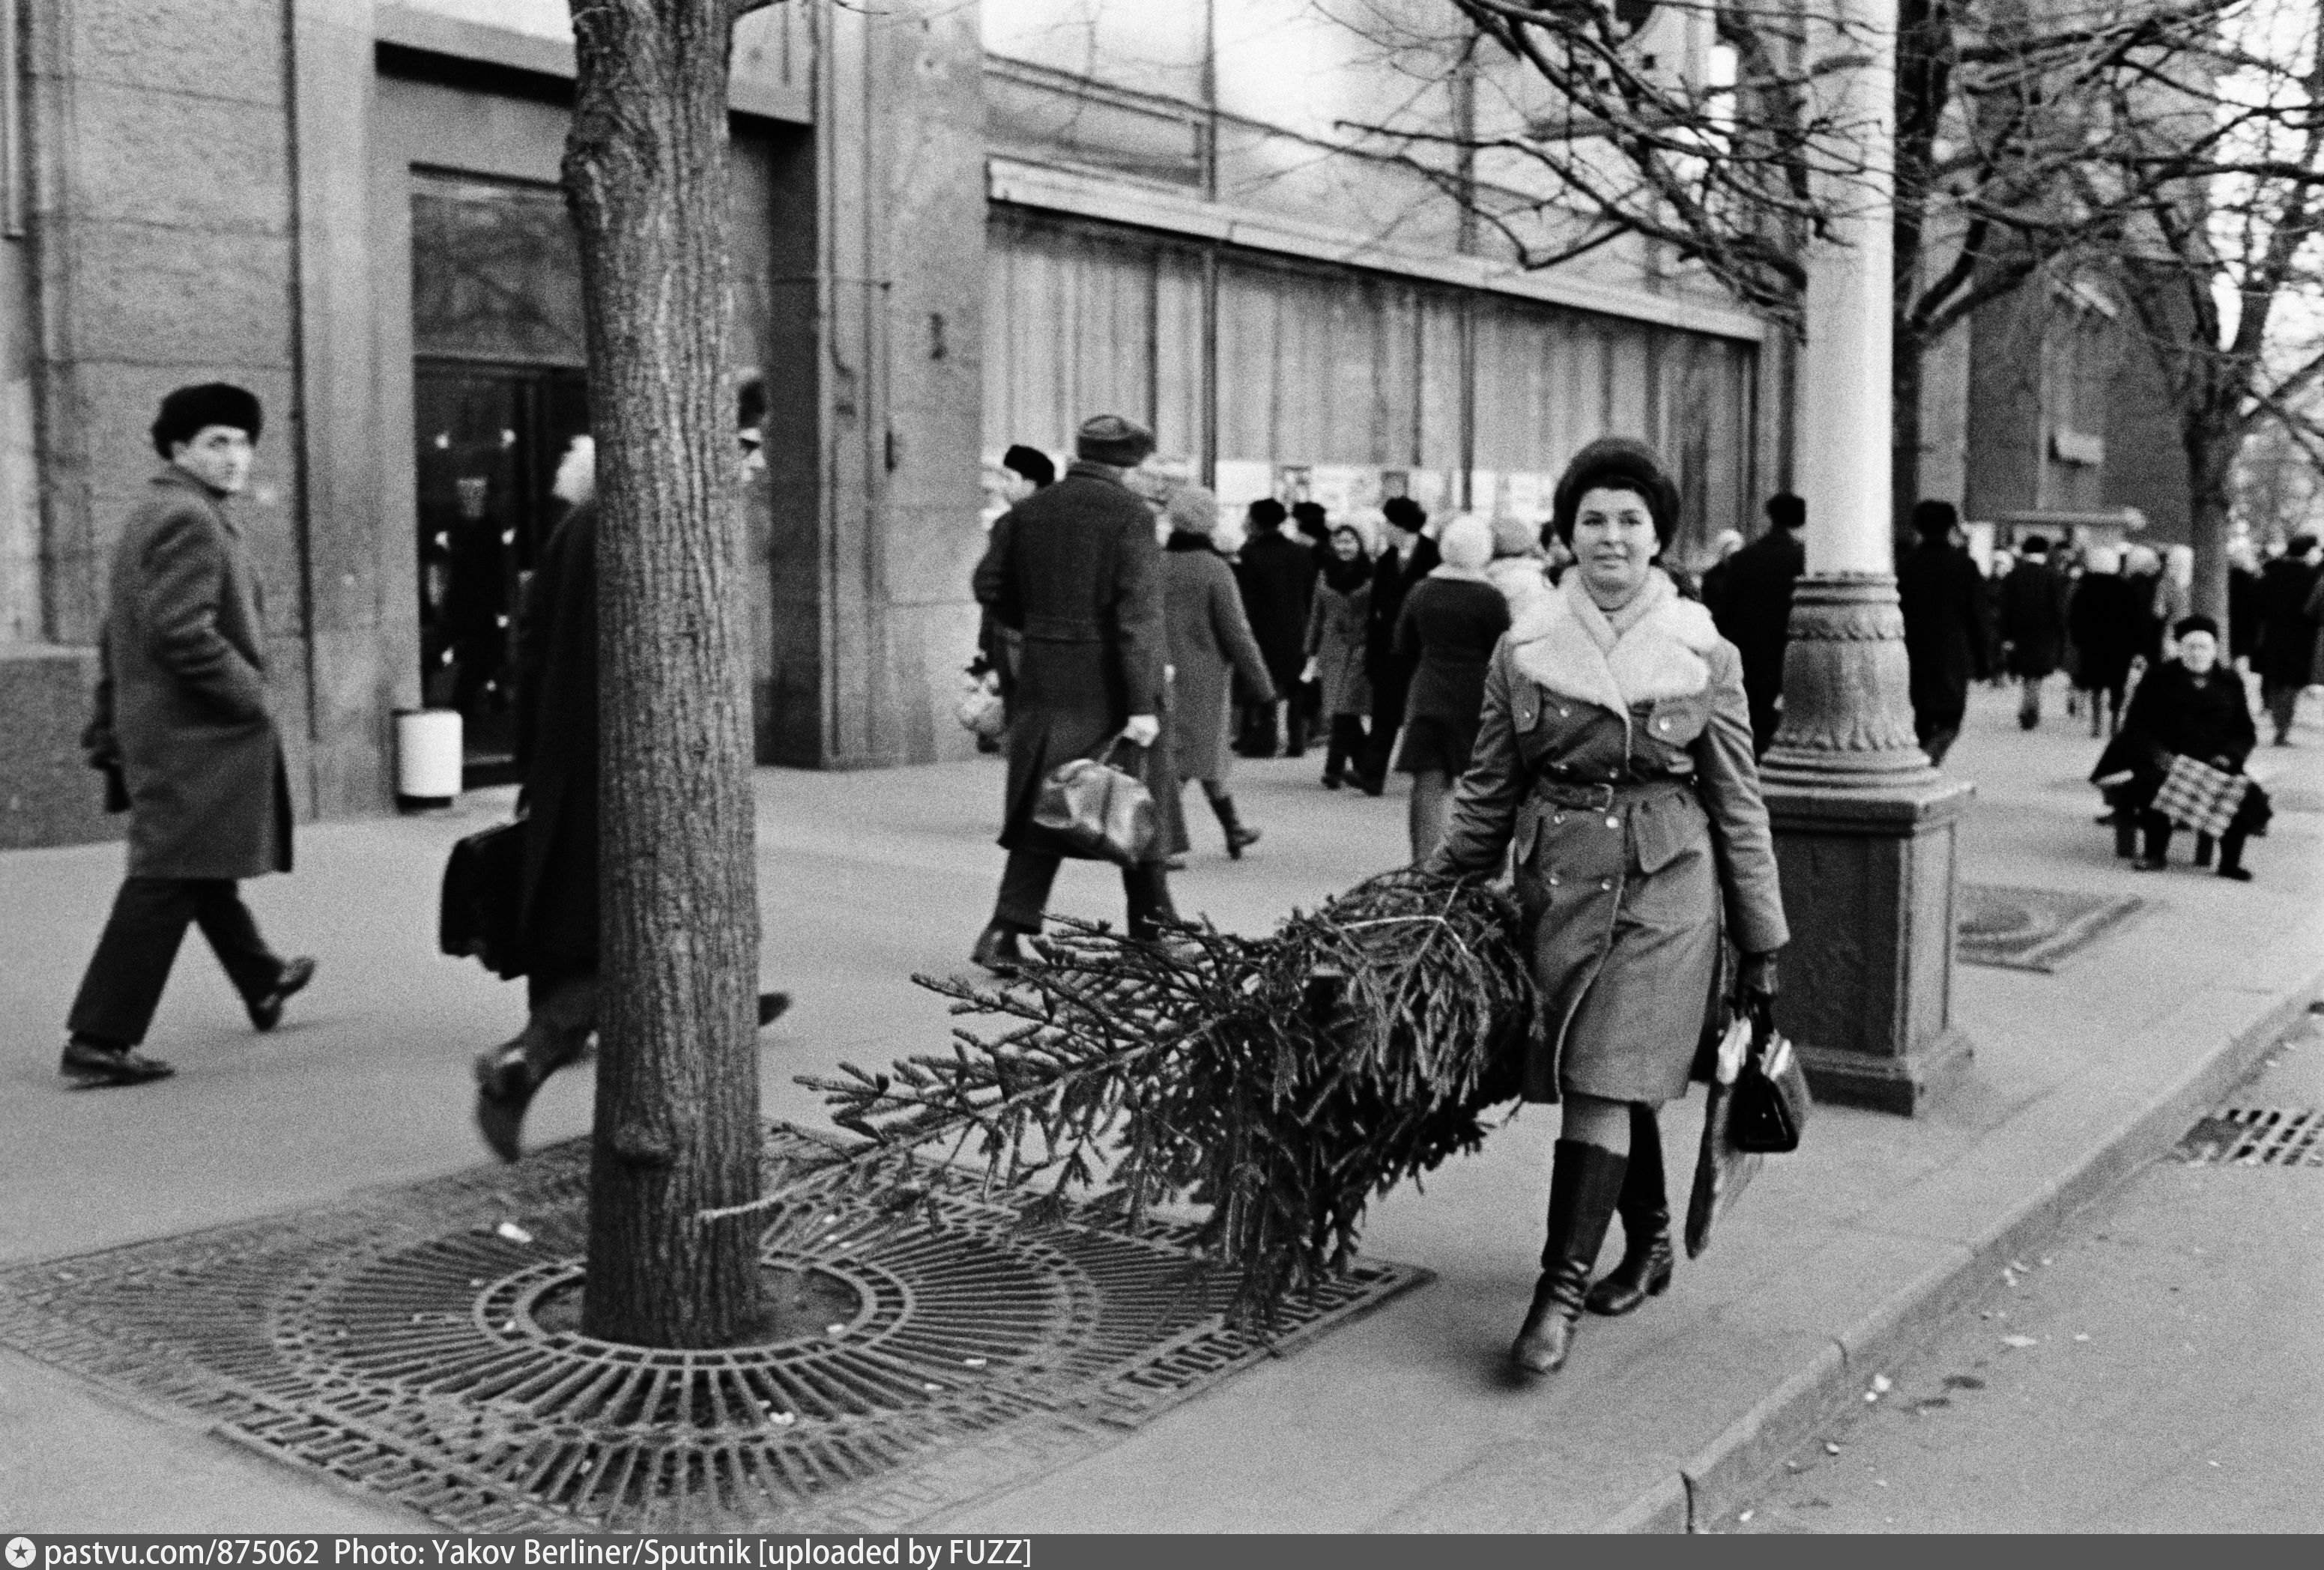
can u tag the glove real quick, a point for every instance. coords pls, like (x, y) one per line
(1755, 985)
(1142, 730)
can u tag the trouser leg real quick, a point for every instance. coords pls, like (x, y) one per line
(2029, 701)
(1388, 719)
(564, 1016)
(1025, 884)
(2281, 703)
(2158, 830)
(123, 985)
(2231, 849)
(2126, 833)
(1146, 891)
(233, 935)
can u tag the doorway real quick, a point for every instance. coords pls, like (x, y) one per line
(489, 437)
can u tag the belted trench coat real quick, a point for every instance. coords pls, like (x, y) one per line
(1615, 772)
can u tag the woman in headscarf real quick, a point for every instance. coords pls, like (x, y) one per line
(1444, 635)
(1335, 648)
(2190, 706)
(1615, 755)
(1516, 568)
(1203, 620)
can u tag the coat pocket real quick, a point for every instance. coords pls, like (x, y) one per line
(1675, 722)
(1664, 830)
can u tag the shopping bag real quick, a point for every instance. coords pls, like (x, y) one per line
(1722, 1170)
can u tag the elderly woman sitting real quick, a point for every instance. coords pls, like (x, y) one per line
(2189, 707)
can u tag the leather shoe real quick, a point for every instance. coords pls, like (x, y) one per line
(505, 1086)
(266, 1012)
(996, 950)
(90, 1065)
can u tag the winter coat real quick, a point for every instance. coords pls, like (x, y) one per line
(2033, 619)
(1445, 638)
(2172, 714)
(1754, 608)
(2104, 619)
(1206, 632)
(1278, 576)
(1618, 769)
(180, 703)
(1521, 581)
(1393, 577)
(556, 749)
(2285, 655)
(1943, 598)
(1336, 619)
(1076, 570)
(2243, 612)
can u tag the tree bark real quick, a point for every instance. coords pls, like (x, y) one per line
(2210, 504)
(678, 1095)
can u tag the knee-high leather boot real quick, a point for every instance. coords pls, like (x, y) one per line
(1644, 1210)
(1584, 1183)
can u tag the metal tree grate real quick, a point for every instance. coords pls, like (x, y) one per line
(407, 1343)
(2256, 1136)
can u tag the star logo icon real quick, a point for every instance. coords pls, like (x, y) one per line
(20, 1553)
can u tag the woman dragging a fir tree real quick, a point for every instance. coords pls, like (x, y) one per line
(1616, 754)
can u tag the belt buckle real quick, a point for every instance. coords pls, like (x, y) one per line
(1606, 805)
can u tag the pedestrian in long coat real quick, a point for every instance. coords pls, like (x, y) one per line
(1614, 773)
(2285, 658)
(1277, 574)
(2107, 624)
(1209, 640)
(1336, 619)
(1444, 637)
(1754, 611)
(1406, 556)
(1943, 598)
(182, 731)
(2033, 625)
(1076, 569)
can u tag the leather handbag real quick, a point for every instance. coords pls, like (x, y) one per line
(1103, 813)
(481, 915)
(1771, 1096)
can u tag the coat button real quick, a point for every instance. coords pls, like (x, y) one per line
(1557, 817)
(1613, 822)
(1553, 880)
(1605, 883)
(1661, 724)
(1563, 712)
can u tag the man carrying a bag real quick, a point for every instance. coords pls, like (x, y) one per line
(1076, 570)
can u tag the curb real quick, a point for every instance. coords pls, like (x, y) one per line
(1727, 1472)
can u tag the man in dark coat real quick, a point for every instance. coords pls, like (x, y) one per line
(181, 728)
(556, 758)
(1409, 557)
(2194, 707)
(1277, 575)
(2106, 619)
(1076, 571)
(1943, 597)
(2285, 655)
(2032, 625)
(1754, 611)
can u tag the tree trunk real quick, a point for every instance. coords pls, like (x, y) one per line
(2210, 469)
(678, 1093)
(1904, 428)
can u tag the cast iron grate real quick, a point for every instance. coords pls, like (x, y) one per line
(407, 1343)
(2256, 1136)
(2034, 929)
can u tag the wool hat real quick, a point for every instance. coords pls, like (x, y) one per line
(1932, 518)
(1031, 463)
(1467, 543)
(1267, 512)
(2034, 545)
(188, 411)
(1108, 438)
(1513, 537)
(1403, 512)
(1192, 509)
(1786, 511)
(1310, 517)
(1616, 464)
(2196, 623)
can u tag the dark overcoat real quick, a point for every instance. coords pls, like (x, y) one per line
(1393, 577)
(1277, 573)
(1444, 638)
(1618, 769)
(1074, 569)
(182, 694)
(1754, 611)
(1943, 598)
(557, 749)
(1208, 636)
(2173, 714)
(2108, 627)
(2033, 619)
(2287, 637)
(1336, 619)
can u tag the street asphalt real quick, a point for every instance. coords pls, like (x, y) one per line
(1841, 1259)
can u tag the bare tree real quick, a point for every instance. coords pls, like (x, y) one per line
(678, 1091)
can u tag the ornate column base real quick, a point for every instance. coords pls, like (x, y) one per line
(1864, 839)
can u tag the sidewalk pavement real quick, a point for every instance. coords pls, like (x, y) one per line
(1838, 1260)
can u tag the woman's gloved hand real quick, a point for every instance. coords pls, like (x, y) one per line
(1755, 986)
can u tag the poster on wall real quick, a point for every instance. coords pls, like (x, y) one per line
(1342, 488)
(1484, 497)
(1525, 496)
(1241, 482)
(1291, 483)
(1427, 487)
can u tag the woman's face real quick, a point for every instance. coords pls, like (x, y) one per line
(1614, 544)
(1346, 546)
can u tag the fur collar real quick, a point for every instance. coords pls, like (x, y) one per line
(1565, 642)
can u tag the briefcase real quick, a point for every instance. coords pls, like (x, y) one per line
(482, 914)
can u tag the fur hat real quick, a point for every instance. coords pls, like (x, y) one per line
(1108, 438)
(1310, 517)
(2196, 623)
(1403, 512)
(1267, 512)
(1616, 464)
(1467, 543)
(1192, 509)
(1934, 519)
(188, 411)
(1786, 511)
(1031, 463)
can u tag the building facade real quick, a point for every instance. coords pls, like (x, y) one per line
(956, 228)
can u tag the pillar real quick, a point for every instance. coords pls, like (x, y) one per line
(1865, 826)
